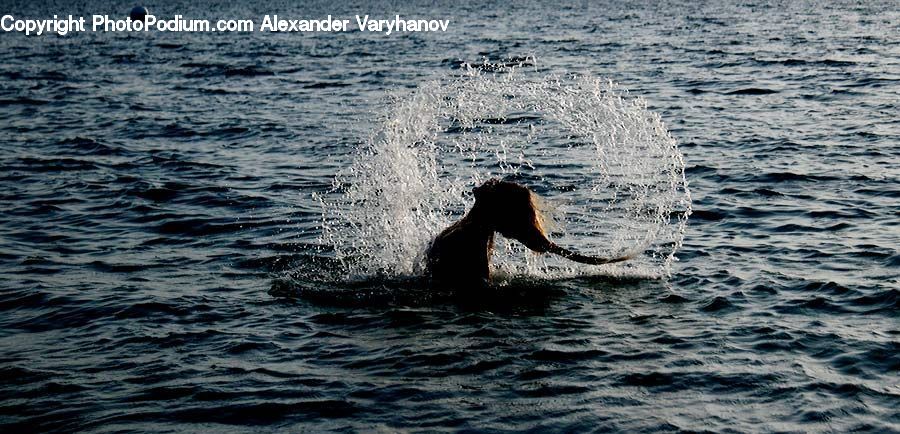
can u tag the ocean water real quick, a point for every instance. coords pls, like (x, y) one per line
(206, 232)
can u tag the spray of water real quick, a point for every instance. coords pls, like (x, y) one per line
(610, 174)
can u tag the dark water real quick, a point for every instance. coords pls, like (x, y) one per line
(154, 187)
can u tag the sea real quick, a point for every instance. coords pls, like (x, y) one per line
(224, 231)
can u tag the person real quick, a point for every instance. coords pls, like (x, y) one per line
(461, 254)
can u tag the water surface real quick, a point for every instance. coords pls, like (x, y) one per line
(156, 187)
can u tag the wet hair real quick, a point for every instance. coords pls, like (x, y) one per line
(513, 210)
(462, 252)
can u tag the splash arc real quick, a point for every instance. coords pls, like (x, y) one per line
(610, 175)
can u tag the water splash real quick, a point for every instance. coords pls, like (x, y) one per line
(611, 175)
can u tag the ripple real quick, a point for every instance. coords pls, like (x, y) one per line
(163, 269)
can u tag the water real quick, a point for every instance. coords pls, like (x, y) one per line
(614, 172)
(167, 264)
